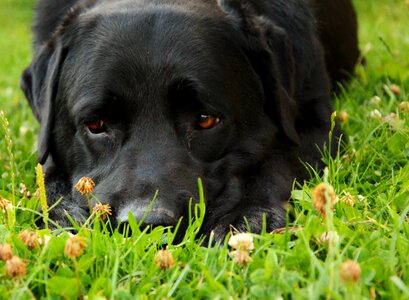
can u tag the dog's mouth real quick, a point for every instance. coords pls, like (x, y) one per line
(146, 216)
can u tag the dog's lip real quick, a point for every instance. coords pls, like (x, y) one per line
(155, 216)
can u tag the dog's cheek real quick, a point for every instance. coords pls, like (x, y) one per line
(97, 147)
(70, 152)
(61, 143)
(210, 145)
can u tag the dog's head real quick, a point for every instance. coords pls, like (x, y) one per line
(148, 99)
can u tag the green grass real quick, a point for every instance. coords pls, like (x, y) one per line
(374, 170)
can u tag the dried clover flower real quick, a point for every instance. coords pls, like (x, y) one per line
(241, 241)
(395, 89)
(15, 267)
(350, 271)
(343, 116)
(392, 119)
(29, 237)
(319, 197)
(102, 210)
(240, 257)
(348, 199)
(85, 185)
(5, 252)
(74, 246)
(164, 259)
(5, 204)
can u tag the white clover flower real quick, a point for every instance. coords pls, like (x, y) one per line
(375, 100)
(375, 114)
(242, 241)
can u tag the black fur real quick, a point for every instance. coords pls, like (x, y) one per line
(148, 69)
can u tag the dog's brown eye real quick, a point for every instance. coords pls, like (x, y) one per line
(96, 127)
(207, 121)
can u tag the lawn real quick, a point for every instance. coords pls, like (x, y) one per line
(360, 251)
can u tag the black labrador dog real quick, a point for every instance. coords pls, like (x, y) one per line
(147, 96)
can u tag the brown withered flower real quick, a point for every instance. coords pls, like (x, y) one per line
(29, 237)
(15, 267)
(74, 246)
(395, 89)
(102, 210)
(85, 185)
(343, 116)
(319, 197)
(350, 271)
(404, 106)
(164, 259)
(5, 252)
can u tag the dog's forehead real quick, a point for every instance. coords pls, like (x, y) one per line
(156, 36)
(142, 51)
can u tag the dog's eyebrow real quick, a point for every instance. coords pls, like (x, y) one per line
(90, 108)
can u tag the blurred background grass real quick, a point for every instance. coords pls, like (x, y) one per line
(384, 36)
(15, 19)
(15, 55)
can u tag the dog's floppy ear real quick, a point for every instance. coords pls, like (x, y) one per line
(271, 55)
(39, 83)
